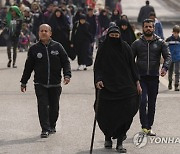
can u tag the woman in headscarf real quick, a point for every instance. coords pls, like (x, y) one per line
(14, 20)
(37, 18)
(103, 21)
(117, 88)
(115, 16)
(127, 33)
(81, 41)
(60, 28)
(77, 15)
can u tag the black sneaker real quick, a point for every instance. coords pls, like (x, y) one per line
(119, 146)
(9, 63)
(121, 149)
(108, 143)
(44, 134)
(170, 85)
(52, 131)
(176, 88)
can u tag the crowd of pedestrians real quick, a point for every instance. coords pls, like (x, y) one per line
(126, 68)
(72, 23)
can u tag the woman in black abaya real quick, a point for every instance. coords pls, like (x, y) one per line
(60, 28)
(118, 88)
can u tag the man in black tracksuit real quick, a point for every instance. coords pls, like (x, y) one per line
(148, 50)
(47, 58)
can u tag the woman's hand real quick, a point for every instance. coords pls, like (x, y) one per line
(139, 89)
(99, 85)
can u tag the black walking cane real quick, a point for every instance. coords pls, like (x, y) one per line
(94, 125)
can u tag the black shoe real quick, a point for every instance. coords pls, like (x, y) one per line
(108, 143)
(176, 88)
(52, 131)
(9, 63)
(44, 134)
(170, 85)
(120, 149)
(119, 146)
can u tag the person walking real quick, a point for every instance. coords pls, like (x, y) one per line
(127, 33)
(157, 24)
(147, 51)
(174, 45)
(47, 58)
(14, 20)
(115, 17)
(91, 19)
(145, 11)
(60, 28)
(103, 21)
(37, 18)
(117, 88)
(81, 42)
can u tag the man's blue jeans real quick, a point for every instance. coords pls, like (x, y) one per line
(150, 86)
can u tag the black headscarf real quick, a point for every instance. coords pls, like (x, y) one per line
(114, 17)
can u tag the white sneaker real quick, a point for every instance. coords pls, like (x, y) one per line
(80, 67)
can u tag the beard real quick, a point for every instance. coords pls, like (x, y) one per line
(148, 34)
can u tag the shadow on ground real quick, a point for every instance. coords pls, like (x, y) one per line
(20, 141)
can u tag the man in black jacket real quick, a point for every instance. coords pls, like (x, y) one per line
(47, 58)
(148, 50)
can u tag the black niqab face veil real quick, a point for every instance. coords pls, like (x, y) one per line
(113, 63)
(114, 40)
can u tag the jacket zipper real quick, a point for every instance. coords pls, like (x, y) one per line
(148, 60)
(48, 65)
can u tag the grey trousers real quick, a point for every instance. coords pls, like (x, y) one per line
(174, 67)
(12, 44)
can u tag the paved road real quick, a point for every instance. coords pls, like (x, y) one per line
(166, 10)
(163, 11)
(19, 125)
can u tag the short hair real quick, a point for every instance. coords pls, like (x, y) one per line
(176, 28)
(147, 2)
(147, 21)
(152, 14)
